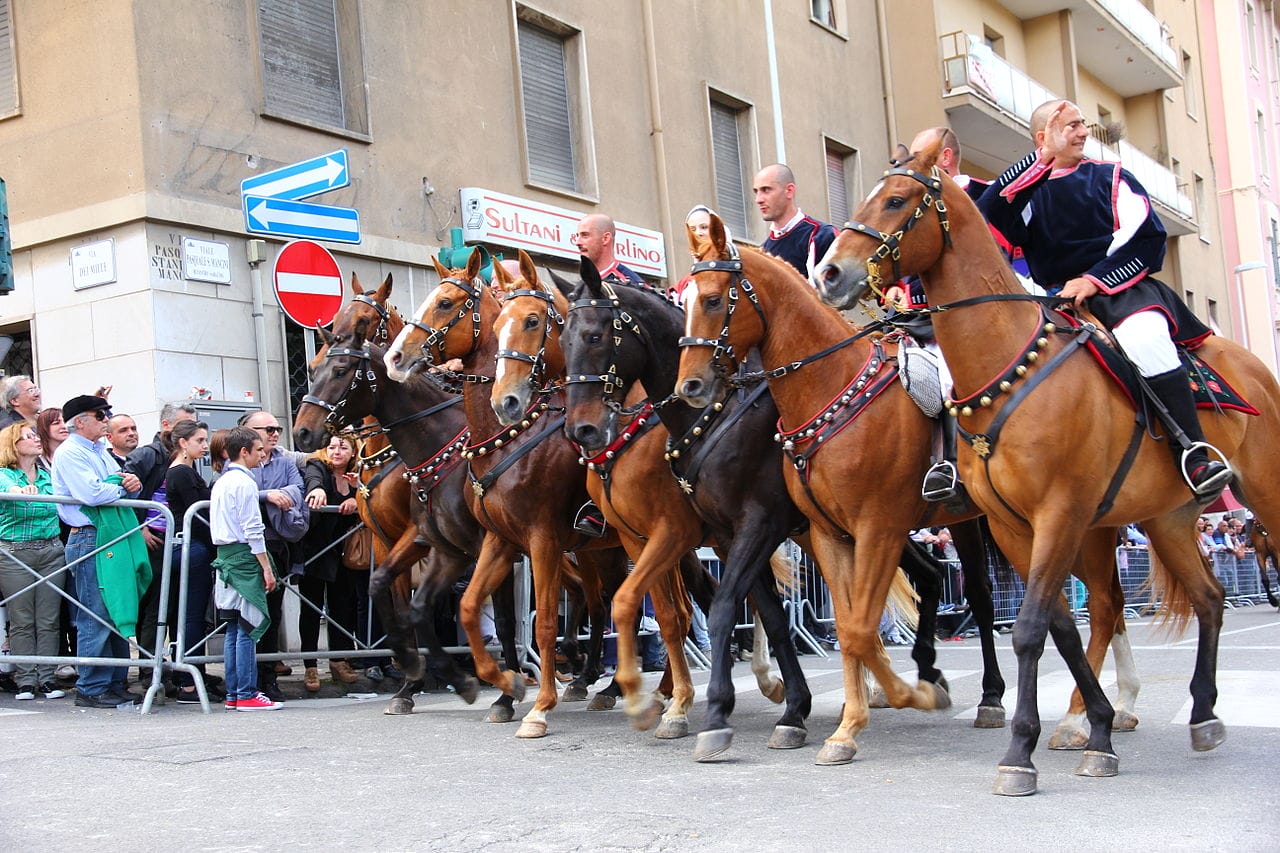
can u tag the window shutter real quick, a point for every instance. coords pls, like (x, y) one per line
(731, 202)
(8, 70)
(300, 70)
(548, 120)
(837, 187)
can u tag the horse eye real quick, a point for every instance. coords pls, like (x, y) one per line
(896, 202)
(530, 323)
(446, 304)
(713, 302)
(339, 372)
(594, 338)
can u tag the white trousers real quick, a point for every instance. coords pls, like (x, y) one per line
(1145, 338)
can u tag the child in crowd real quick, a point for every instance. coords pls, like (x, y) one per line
(244, 570)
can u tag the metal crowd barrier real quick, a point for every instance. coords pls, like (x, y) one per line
(148, 658)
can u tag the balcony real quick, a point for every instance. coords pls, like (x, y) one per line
(989, 104)
(1118, 41)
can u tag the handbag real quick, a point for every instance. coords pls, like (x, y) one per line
(357, 550)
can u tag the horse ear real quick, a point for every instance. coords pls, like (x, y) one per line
(326, 335)
(384, 292)
(474, 263)
(590, 277)
(566, 287)
(355, 284)
(501, 277)
(441, 270)
(901, 154)
(694, 242)
(717, 235)
(527, 270)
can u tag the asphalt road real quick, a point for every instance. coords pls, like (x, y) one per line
(335, 772)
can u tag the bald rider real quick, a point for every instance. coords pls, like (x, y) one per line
(595, 239)
(798, 239)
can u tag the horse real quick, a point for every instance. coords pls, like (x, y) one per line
(508, 470)
(631, 480)
(426, 428)
(1105, 469)
(1264, 547)
(853, 493)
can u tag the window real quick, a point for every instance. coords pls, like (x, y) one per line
(1213, 313)
(1189, 85)
(1190, 299)
(728, 129)
(312, 67)
(1175, 166)
(842, 181)
(1202, 213)
(824, 12)
(8, 64)
(555, 128)
(1251, 34)
(993, 40)
(1260, 133)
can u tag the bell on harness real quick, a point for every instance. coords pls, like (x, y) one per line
(942, 480)
(590, 521)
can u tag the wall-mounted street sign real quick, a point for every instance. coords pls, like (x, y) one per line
(308, 284)
(272, 201)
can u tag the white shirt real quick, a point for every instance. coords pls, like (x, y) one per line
(233, 512)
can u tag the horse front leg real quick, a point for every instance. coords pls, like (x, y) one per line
(496, 560)
(401, 638)
(546, 557)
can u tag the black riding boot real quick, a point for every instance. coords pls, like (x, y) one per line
(590, 521)
(942, 480)
(1206, 477)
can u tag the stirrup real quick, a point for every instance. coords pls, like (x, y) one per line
(1207, 490)
(590, 521)
(941, 482)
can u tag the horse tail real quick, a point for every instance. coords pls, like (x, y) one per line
(1176, 610)
(904, 599)
(786, 573)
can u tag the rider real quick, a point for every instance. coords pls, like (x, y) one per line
(798, 239)
(1090, 235)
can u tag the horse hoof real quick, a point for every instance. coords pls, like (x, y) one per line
(1068, 737)
(469, 690)
(1124, 722)
(602, 702)
(500, 714)
(1098, 764)
(672, 729)
(878, 699)
(1014, 781)
(943, 683)
(646, 717)
(712, 744)
(777, 693)
(835, 752)
(399, 707)
(787, 737)
(532, 729)
(1207, 735)
(517, 688)
(941, 698)
(989, 717)
(574, 692)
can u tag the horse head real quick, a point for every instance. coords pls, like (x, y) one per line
(717, 335)
(882, 243)
(447, 324)
(341, 391)
(368, 315)
(528, 331)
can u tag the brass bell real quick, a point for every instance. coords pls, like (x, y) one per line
(985, 401)
(966, 411)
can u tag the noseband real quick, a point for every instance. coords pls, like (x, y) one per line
(537, 362)
(891, 243)
(723, 359)
(621, 320)
(435, 337)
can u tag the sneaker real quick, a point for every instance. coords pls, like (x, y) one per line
(271, 691)
(66, 672)
(230, 704)
(393, 672)
(26, 692)
(374, 673)
(260, 702)
(51, 692)
(124, 697)
(101, 700)
(188, 696)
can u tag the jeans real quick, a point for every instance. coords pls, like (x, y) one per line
(34, 616)
(199, 594)
(240, 662)
(698, 628)
(93, 639)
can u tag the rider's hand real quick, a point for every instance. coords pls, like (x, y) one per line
(1078, 290)
(895, 297)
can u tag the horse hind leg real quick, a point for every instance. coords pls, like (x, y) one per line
(972, 539)
(504, 619)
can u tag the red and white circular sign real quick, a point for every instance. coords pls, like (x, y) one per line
(308, 284)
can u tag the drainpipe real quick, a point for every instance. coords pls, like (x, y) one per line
(655, 134)
(256, 251)
(775, 91)
(886, 76)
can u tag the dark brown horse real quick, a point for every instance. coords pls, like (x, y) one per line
(1265, 547)
(1057, 451)
(525, 481)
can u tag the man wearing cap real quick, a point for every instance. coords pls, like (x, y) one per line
(81, 466)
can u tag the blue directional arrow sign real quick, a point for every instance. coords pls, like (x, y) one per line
(301, 180)
(285, 218)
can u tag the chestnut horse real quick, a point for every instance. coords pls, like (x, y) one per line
(525, 482)
(1264, 547)
(835, 388)
(1057, 450)
(631, 481)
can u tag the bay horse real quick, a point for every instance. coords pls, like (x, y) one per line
(632, 482)
(1264, 547)
(525, 484)
(853, 493)
(425, 516)
(1051, 469)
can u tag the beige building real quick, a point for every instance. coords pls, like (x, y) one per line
(127, 127)
(1133, 68)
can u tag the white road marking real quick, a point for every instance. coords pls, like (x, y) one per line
(1246, 697)
(1053, 694)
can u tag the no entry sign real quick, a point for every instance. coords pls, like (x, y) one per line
(308, 284)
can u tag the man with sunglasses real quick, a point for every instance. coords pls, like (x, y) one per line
(81, 466)
(279, 493)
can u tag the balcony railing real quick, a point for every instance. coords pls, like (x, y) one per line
(969, 64)
(1144, 26)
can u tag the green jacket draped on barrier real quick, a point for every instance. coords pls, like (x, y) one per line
(124, 569)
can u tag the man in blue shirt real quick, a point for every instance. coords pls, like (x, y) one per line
(798, 239)
(594, 238)
(81, 465)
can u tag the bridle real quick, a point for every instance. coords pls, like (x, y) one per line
(622, 320)
(891, 243)
(435, 337)
(537, 362)
(333, 414)
(381, 332)
(723, 359)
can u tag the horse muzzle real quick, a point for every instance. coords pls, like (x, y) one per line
(590, 437)
(840, 284)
